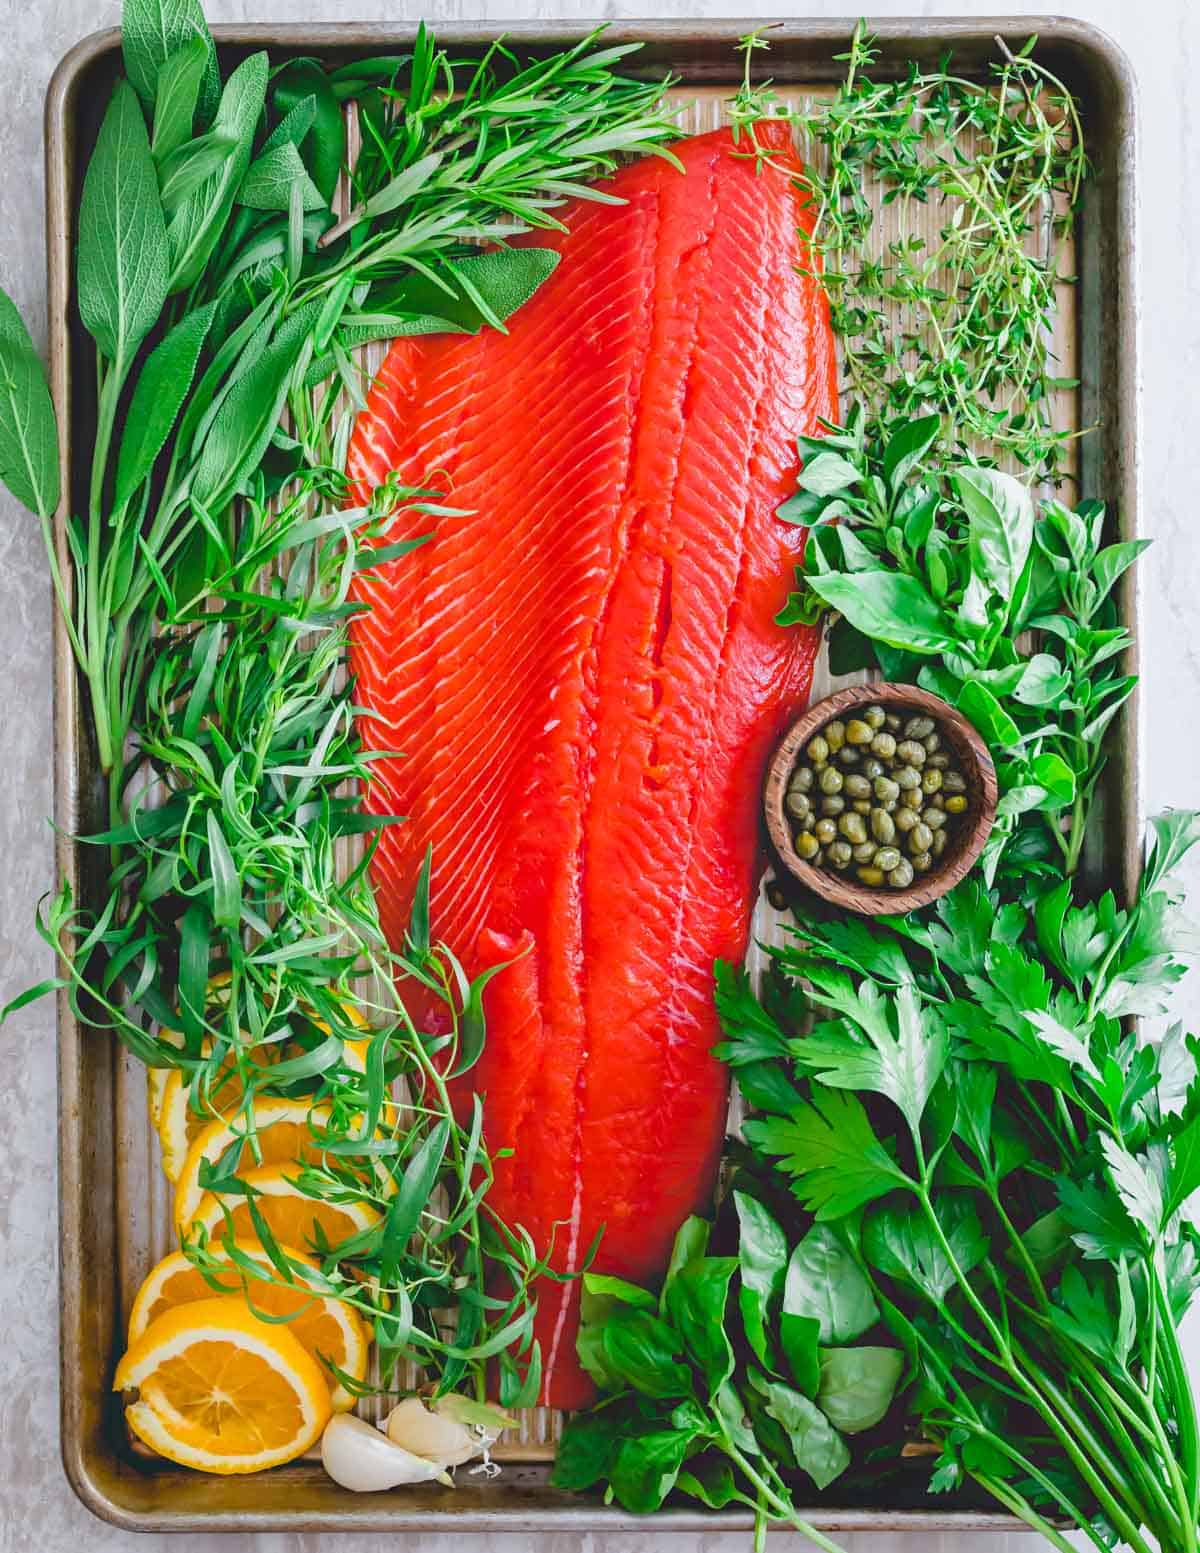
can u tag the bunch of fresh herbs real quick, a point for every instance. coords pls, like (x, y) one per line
(1012, 1169)
(740, 1372)
(206, 587)
(952, 578)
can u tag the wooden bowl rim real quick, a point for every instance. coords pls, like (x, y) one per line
(982, 789)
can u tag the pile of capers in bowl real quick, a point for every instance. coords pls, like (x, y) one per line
(877, 795)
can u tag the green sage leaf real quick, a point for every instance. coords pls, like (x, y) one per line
(122, 257)
(28, 428)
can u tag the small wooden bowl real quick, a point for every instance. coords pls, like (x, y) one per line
(969, 834)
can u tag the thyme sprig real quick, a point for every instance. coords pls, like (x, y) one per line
(955, 322)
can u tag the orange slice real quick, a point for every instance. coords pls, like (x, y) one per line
(222, 1391)
(328, 1328)
(180, 1124)
(291, 1217)
(286, 1130)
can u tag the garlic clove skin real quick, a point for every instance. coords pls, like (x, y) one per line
(431, 1433)
(362, 1459)
(482, 1421)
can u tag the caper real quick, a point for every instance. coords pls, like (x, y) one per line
(883, 745)
(873, 768)
(856, 786)
(906, 777)
(870, 875)
(807, 845)
(883, 826)
(835, 735)
(919, 727)
(861, 806)
(920, 839)
(874, 717)
(914, 798)
(902, 875)
(797, 805)
(892, 722)
(830, 780)
(940, 761)
(777, 896)
(910, 752)
(839, 854)
(865, 852)
(885, 788)
(940, 842)
(852, 827)
(818, 750)
(802, 779)
(834, 804)
(934, 817)
(931, 781)
(858, 731)
(825, 831)
(887, 858)
(906, 818)
(956, 804)
(954, 782)
(848, 755)
(923, 862)
(932, 743)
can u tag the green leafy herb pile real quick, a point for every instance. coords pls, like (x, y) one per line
(1012, 1170)
(205, 580)
(739, 1370)
(951, 578)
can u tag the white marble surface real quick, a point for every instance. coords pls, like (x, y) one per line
(1162, 37)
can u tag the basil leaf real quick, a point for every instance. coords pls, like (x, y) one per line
(646, 1467)
(28, 428)
(177, 95)
(158, 395)
(1112, 562)
(1000, 525)
(827, 473)
(122, 259)
(888, 607)
(196, 227)
(691, 1242)
(825, 1283)
(589, 1443)
(152, 31)
(981, 708)
(696, 1303)
(762, 1257)
(800, 1339)
(269, 179)
(857, 1386)
(818, 1448)
(907, 447)
(710, 1480)
(643, 1353)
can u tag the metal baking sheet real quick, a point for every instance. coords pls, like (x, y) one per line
(114, 1222)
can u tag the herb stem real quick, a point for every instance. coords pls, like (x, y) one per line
(778, 1502)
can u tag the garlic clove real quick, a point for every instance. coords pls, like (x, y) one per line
(483, 1422)
(362, 1459)
(431, 1434)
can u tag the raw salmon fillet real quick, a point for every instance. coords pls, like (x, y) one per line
(584, 679)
